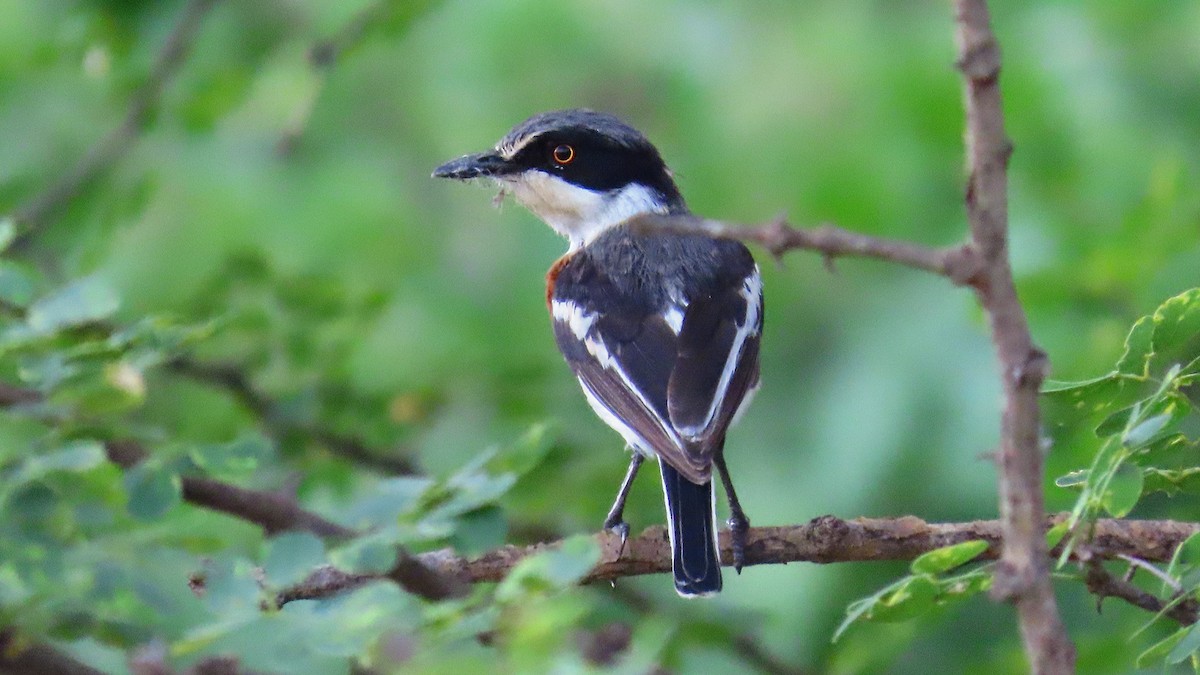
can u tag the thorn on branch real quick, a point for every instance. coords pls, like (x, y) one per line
(1023, 577)
(1101, 583)
(1034, 370)
(776, 237)
(981, 62)
(829, 262)
(1006, 151)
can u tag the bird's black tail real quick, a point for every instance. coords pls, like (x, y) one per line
(690, 512)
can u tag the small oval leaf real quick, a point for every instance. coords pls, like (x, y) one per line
(914, 598)
(1189, 551)
(947, 558)
(1055, 534)
(291, 556)
(1144, 431)
(1124, 490)
(1075, 479)
(152, 489)
(1186, 646)
(1159, 650)
(83, 301)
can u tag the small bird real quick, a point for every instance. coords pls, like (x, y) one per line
(659, 321)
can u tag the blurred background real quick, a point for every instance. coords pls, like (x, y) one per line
(290, 197)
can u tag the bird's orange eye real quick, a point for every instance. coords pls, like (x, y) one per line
(563, 154)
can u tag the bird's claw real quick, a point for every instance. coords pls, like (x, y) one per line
(621, 529)
(739, 527)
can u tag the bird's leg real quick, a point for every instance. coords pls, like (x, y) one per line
(739, 524)
(615, 522)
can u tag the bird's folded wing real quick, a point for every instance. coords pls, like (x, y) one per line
(624, 363)
(669, 386)
(716, 362)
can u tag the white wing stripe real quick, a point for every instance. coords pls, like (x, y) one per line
(674, 318)
(752, 292)
(573, 315)
(581, 324)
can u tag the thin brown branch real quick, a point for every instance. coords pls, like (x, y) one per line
(235, 380)
(325, 54)
(824, 540)
(19, 656)
(957, 263)
(12, 396)
(274, 512)
(409, 572)
(1023, 576)
(322, 56)
(35, 214)
(1103, 584)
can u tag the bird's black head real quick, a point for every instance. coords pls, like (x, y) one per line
(578, 170)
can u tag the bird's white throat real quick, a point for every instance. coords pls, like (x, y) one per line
(577, 213)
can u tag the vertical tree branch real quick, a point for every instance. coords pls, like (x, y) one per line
(1023, 575)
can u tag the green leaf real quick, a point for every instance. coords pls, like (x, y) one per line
(1145, 430)
(947, 558)
(1188, 552)
(91, 387)
(525, 454)
(470, 488)
(1078, 388)
(1069, 405)
(912, 599)
(370, 553)
(1118, 422)
(74, 457)
(966, 585)
(235, 459)
(479, 531)
(895, 594)
(1171, 481)
(152, 490)
(231, 590)
(1123, 491)
(1075, 479)
(83, 301)
(382, 503)
(551, 570)
(8, 232)
(291, 556)
(1158, 652)
(855, 612)
(1138, 348)
(1055, 534)
(1186, 646)
(1177, 331)
(16, 288)
(13, 590)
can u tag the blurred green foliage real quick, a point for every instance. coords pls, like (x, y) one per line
(279, 215)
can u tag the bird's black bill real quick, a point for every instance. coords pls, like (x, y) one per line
(480, 165)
